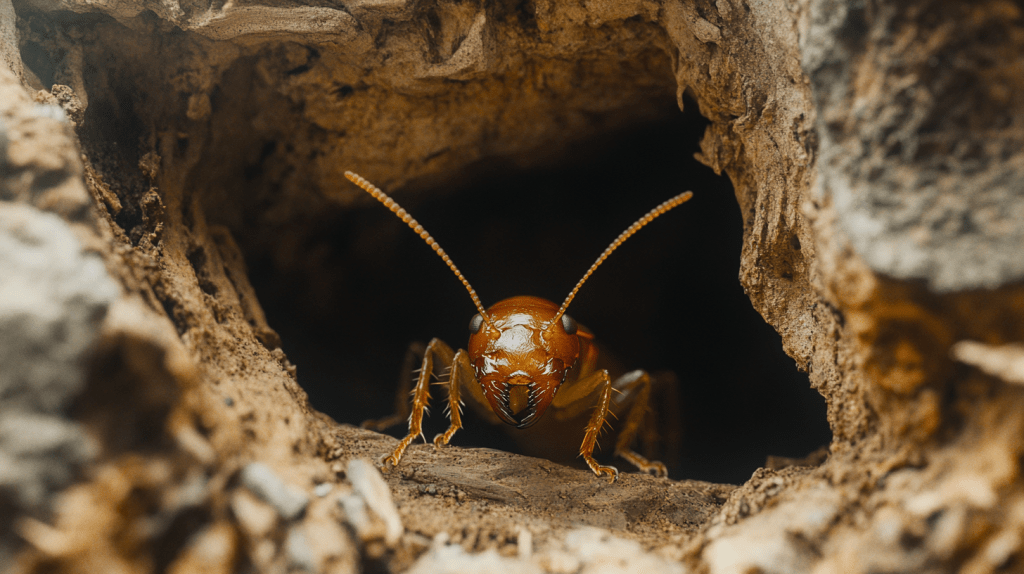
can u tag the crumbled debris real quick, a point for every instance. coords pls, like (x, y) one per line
(599, 551)
(289, 502)
(444, 558)
(370, 530)
(255, 518)
(69, 101)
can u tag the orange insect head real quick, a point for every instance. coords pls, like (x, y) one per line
(522, 358)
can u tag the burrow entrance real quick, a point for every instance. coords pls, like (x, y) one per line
(358, 287)
(669, 299)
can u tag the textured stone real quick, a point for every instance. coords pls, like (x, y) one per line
(922, 137)
(53, 297)
(261, 480)
(368, 484)
(875, 155)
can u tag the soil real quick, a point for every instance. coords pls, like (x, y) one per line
(154, 154)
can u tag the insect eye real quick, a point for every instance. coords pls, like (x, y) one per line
(475, 323)
(569, 324)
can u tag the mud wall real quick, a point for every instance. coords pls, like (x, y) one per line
(874, 151)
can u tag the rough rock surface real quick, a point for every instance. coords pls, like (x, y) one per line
(875, 154)
(52, 299)
(911, 113)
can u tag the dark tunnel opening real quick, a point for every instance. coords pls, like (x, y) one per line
(668, 299)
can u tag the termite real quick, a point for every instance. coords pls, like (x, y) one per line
(526, 356)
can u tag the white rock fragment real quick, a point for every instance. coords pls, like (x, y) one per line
(558, 562)
(298, 551)
(357, 515)
(444, 558)
(962, 488)
(189, 439)
(49, 112)
(256, 518)
(369, 485)
(323, 489)
(600, 552)
(1005, 362)
(289, 502)
(524, 540)
(769, 541)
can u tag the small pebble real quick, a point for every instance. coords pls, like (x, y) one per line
(323, 489)
(369, 484)
(290, 503)
(229, 401)
(524, 541)
(50, 112)
(355, 511)
(256, 518)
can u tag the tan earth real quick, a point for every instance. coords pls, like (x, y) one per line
(151, 151)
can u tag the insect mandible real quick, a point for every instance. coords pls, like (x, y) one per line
(524, 356)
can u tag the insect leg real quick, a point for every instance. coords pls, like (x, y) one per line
(436, 349)
(596, 380)
(462, 375)
(635, 385)
(412, 356)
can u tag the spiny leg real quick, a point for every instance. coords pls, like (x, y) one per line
(635, 384)
(413, 355)
(600, 380)
(461, 374)
(420, 398)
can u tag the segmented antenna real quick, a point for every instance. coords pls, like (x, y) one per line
(651, 216)
(415, 226)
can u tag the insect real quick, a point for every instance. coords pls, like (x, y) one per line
(526, 356)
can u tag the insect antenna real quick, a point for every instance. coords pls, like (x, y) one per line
(415, 226)
(651, 216)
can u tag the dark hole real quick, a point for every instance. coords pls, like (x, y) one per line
(255, 169)
(111, 133)
(668, 299)
(37, 59)
(198, 260)
(299, 70)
